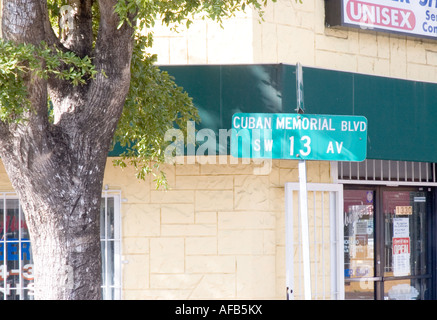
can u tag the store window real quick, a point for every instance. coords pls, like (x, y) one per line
(16, 264)
(387, 251)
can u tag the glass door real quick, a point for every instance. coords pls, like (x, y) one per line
(387, 243)
(359, 244)
(406, 272)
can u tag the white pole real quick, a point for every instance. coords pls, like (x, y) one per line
(303, 200)
(289, 252)
(303, 196)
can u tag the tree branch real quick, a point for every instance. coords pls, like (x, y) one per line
(22, 22)
(89, 114)
(66, 97)
(50, 37)
(80, 38)
(112, 58)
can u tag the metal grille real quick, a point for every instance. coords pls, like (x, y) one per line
(325, 208)
(110, 239)
(386, 172)
(16, 263)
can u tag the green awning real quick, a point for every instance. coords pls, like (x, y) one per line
(401, 114)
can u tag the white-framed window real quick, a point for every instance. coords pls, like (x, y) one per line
(110, 238)
(16, 263)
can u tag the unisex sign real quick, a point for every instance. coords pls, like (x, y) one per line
(299, 136)
(412, 17)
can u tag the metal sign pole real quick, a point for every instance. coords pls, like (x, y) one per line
(303, 196)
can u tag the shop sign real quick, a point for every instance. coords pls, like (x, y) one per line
(17, 271)
(401, 256)
(401, 246)
(411, 17)
(299, 136)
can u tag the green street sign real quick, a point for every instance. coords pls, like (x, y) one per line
(299, 136)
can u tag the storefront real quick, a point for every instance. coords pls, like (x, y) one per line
(230, 228)
(387, 216)
(389, 234)
(388, 243)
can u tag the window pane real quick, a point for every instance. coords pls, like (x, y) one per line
(359, 244)
(108, 263)
(110, 274)
(13, 270)
(12, 219)
(405, 233)
(2, 269)
(358, 233)
(16, 275)
(2, 221)
(103, 249)
(102, 219)
(107, 218)
(110, 218)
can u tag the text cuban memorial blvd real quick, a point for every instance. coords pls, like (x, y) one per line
(296, 123)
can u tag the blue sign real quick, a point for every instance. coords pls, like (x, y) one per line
(12, 250)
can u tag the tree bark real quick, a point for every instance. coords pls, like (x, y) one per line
(57, 168)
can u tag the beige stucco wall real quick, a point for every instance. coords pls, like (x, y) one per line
(295, 32)
(218, 233)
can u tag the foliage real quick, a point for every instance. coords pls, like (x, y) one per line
(16, 63)
(154, 103)
(181, 11)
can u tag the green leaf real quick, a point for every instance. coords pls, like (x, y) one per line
(154, 104)
(18, 61)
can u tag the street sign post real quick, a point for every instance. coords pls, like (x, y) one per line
(303, 195)
(299, 136)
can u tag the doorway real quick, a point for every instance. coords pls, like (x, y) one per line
(387, 243)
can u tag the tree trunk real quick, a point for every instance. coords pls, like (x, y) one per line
(64, 228)
(60, 195)
(57, 168)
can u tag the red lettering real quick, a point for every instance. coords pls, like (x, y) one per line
(401, 246)
(12, 224)
(379, 15)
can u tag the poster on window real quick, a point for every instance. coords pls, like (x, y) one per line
(401, 228)
(401, 256)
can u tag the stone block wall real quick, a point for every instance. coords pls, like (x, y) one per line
(296, 32)
(217, 233)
